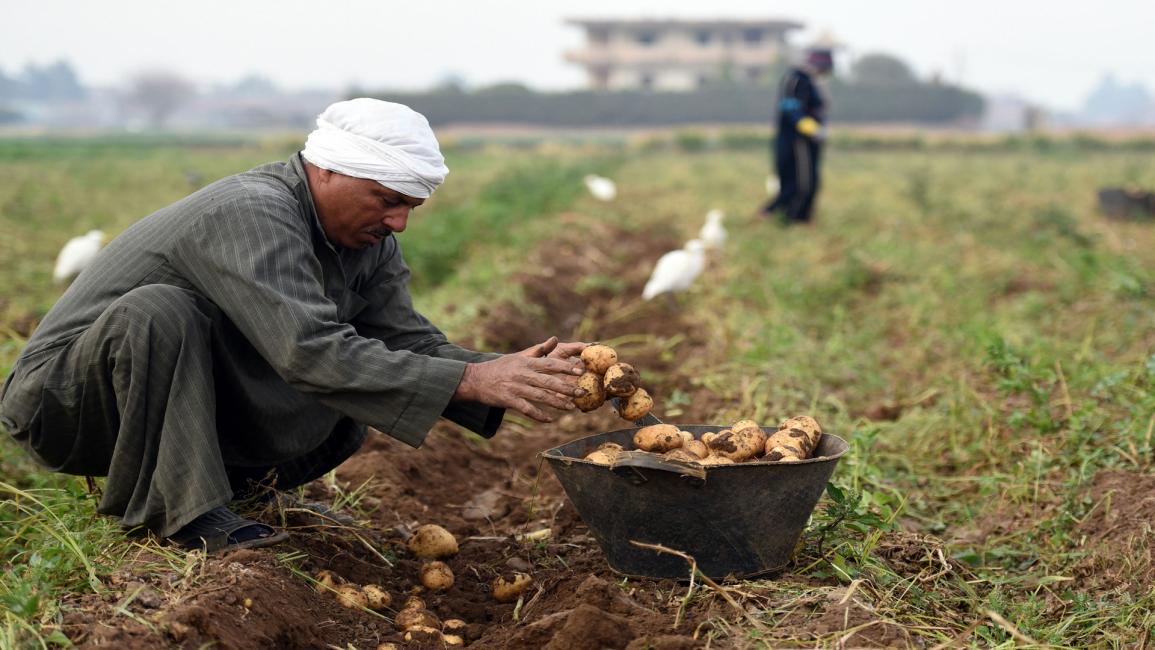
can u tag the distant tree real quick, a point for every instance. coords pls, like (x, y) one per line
(253, 85)
(505, 88)
(159, 93)
(880, 68)
(54, 82)
(1113, 102)
(451, 83)
(9, 87)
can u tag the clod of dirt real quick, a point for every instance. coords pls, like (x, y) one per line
(486, 505)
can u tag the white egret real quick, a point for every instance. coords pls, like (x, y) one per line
(676, 270)
(601, 187)
(76, 255)
(713, 234)
(772, 185)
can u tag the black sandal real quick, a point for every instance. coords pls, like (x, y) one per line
(222, 529)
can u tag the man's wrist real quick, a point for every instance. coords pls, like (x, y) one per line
(466, 391)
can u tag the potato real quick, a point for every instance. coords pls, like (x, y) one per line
(598, 358)
(409, 618)
(710, 435)
(743, 424)
(621, 380)
(783, 453)
(376, 597)
(507, 591)
(738, 446)
(452, 639)
(807, 424)
(686, 436)
(422, 633)
(595, 393)
(793, 437)
(413, 602)
(697, 448)
(327, 580)
(600, 457)
(605, 454)
(757, 432)
(636, 406)
(436, 576)
(432, 542)
(658, 438)
(713, 459)
(453, 625)
(350, 596)
(680, 455)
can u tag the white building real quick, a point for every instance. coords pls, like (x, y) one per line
(679, 54)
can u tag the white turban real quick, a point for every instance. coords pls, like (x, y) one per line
(386, 142)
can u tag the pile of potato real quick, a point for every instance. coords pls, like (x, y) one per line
(606, 377)
(795, 439)
(432, 543)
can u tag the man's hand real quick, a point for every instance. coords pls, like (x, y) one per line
(545, 373)
(555, 349)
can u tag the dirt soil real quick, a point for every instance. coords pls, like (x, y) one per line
(488, 494)
(1119, 531)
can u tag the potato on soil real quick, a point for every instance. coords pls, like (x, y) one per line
(432, 542)
(436, 576)
(598, 358)
(658, 438)
(697, 448)
(738, 446)
(352, 597)
(377, 597)
(453, 625)
(595, 393)
(452, 639)
(422, 633)
(327, 580)
(621, 380)
(605, 454)
(507, 591)
(409, 618)
(636, 406)
(413, 602)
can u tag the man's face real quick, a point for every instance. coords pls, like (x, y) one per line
(358, 212)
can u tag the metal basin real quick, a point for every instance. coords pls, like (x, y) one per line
(740, 520)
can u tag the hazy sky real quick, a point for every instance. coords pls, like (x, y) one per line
(1053, 52)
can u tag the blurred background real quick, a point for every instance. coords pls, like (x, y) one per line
(976, 66)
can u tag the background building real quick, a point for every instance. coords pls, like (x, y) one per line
(680, 54)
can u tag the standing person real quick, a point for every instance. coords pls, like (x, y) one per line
(798, 143)
(253, 329)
